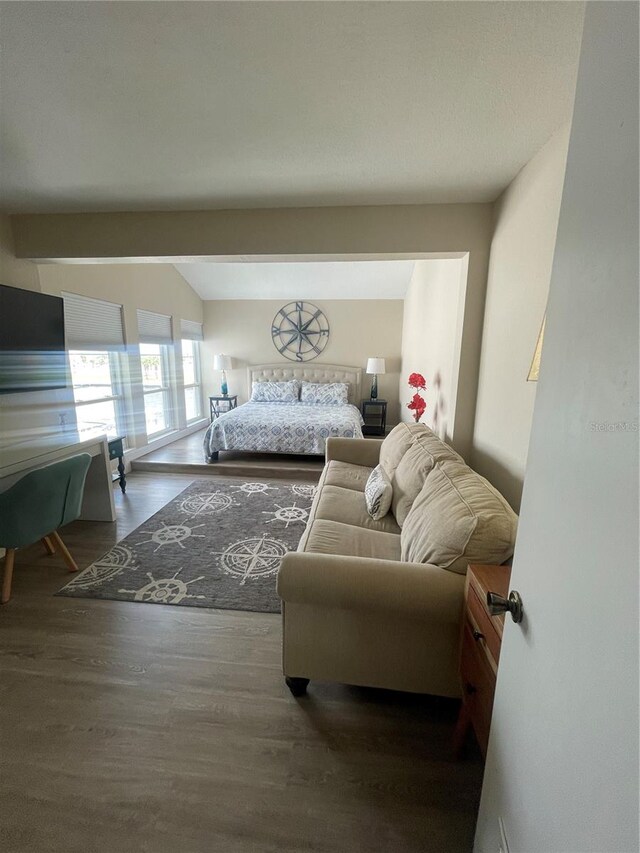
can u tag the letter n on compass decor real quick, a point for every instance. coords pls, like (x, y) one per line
(300, 331)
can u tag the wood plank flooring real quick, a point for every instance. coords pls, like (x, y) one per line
(186, 456)
(134, 727)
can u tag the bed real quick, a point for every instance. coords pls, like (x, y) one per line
(296, 427)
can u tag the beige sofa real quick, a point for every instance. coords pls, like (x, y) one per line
(378, 603)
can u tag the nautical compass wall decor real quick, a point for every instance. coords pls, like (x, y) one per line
(300, 331)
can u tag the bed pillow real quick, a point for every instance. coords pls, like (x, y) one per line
(378, 493)
(325, 393)
(275, 392)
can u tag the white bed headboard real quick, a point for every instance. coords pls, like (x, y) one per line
(311, 372)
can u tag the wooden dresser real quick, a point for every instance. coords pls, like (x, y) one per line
(480, 652)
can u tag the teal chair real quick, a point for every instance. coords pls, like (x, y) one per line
(36, 506)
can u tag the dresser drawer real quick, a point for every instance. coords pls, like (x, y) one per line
(478, 684)
(484, 623)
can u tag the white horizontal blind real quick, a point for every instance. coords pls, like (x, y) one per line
(154, 328)
(92, 324)
(190, 330)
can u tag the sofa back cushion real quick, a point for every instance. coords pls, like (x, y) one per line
(458, 518)
(408, 480)
(394, 447)
(408, 454)
(435, 447)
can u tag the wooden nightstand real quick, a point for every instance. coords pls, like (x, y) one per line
(480, 652)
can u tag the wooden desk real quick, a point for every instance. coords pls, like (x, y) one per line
(17, 458)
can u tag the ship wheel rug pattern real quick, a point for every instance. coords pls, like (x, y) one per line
(218, 544)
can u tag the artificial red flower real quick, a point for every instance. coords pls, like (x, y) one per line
(418, 406)
(417, 380)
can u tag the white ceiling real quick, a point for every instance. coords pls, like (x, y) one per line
(180, 105)
(309, 280)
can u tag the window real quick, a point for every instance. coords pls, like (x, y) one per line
(154, 360)
(97, 391)
(95, 341)
(192, 379)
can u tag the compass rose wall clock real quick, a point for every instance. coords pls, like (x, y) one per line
(300, 331)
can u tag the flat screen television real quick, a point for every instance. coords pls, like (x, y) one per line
(32, 349)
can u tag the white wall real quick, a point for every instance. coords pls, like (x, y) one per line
(526, 220)
(359, 329)
(431, 330)
(562, 766)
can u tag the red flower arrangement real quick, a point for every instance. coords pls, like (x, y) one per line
(417, 380)
(417, 404)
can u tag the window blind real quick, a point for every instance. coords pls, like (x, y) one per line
(190, 330)
(154, 328)
(92, 324)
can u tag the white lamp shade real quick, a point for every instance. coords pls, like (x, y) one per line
(222, 362)
(375, 365)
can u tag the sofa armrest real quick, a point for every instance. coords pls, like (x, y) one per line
(357, 451)
(366, 584)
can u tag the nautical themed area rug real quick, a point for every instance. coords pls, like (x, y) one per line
(217, 544)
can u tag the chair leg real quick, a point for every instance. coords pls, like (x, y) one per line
(66, 556)
(9, 558)
(48, 544)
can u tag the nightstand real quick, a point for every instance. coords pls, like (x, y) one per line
(374, 415)
(480, 652)
(219, 404)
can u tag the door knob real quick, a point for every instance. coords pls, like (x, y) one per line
(498, 604)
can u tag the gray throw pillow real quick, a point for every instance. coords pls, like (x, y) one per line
(378, 493)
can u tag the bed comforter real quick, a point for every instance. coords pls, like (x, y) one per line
(281, 428)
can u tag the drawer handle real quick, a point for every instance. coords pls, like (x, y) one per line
(477, 635)
(469, 689)
(497, 604)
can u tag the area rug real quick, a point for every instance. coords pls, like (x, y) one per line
(217, 545)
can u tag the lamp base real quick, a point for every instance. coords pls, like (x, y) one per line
(374, 388)
(224, 387)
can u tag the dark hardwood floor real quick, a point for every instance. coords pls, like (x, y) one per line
(135, 727)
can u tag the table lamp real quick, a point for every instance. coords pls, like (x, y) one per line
(375, 366)
(223, 363)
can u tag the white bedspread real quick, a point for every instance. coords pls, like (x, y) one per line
(282, 428)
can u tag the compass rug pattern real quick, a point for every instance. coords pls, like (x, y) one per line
(218, 544)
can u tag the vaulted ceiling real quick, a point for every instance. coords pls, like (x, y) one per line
(310, 280)
(181, 105)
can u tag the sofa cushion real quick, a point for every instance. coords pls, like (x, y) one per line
(435, 447)
(378, 493)
(394, 447)
(334, 537)
(346, 475)
(458, 518)
(349, 507)
(408, 480)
